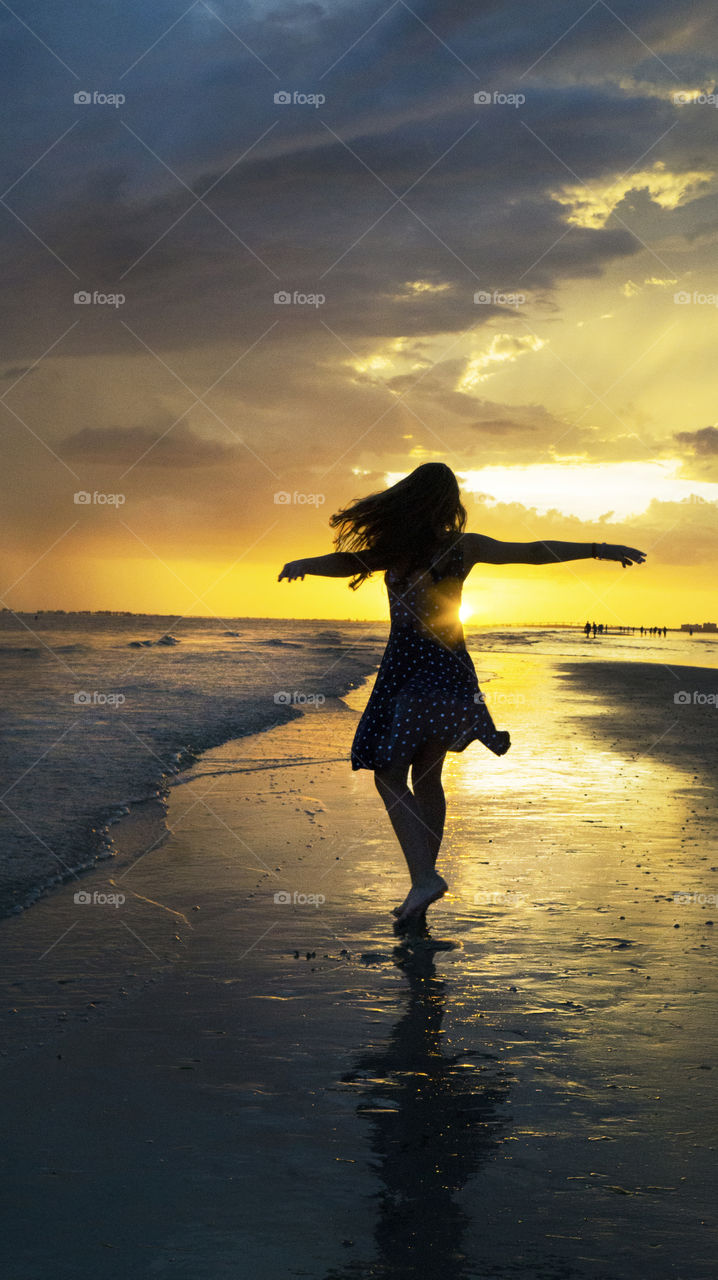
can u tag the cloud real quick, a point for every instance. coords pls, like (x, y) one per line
(503, 347)
(592, 207)
(673, 533)
(397, 201)
(703, 442)
(699, 451)
(162, 446)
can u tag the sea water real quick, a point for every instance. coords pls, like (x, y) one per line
(97, 712)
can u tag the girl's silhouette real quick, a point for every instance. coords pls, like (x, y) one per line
(426, 698)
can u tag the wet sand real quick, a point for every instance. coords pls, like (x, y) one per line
(206, 1082)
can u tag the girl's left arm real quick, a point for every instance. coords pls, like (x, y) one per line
(340, 564)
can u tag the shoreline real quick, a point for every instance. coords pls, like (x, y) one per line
(123, 823)
(101, 838)
(116, 819)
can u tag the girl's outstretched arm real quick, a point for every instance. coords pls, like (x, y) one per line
(480, 549)
(339, 564)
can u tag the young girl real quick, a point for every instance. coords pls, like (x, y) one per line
(426, 699)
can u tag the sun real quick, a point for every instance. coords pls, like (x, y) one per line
(465, 612)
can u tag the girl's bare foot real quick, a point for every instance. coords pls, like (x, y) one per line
(420, 896)
(413, 927)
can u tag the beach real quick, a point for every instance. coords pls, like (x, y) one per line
(221, 1060)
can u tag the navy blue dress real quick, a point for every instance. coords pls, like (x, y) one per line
(426, 687)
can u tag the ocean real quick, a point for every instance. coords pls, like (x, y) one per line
(98, 714)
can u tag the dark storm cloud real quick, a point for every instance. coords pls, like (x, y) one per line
(299, 198)
(297, 211)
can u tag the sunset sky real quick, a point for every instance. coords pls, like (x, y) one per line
(214, 429)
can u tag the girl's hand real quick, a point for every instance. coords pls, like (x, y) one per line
(293, 569)
(626, 555)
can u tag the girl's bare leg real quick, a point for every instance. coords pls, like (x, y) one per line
(429, 794)
(418, 838)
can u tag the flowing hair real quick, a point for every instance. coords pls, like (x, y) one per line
(403, 525)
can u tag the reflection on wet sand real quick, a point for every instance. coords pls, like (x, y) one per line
(434, 1119)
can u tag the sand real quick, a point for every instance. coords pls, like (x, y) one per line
(205, 1082)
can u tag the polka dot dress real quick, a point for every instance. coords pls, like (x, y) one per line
(426, 687)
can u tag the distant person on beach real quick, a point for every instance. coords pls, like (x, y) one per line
(587, 629)
(426, 698)
(595, 629)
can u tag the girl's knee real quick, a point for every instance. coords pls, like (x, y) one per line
(429, 760)
(390, 780)
(427, 781)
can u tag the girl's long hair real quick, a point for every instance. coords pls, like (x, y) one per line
(404, 525)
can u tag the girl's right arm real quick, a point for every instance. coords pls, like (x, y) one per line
(338, 564)
(480, 549)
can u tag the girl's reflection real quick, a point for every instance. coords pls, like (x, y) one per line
(434, 1120)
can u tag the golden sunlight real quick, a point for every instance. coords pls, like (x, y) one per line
(593, 208)
(587, 489)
